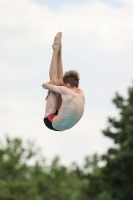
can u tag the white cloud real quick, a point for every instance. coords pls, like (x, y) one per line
(38, 24)
(127, 2)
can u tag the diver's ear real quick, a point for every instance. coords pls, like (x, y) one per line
(67, 85)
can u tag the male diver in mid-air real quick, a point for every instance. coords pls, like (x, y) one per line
(65, 102)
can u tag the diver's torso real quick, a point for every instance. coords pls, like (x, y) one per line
(71, 111)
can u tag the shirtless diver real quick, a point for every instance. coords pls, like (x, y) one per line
(65, 101)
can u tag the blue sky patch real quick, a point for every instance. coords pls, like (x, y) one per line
(57, 3)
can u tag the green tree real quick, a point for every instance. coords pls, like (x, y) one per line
(14, 156)
(117, 175)
(57, 182)
(21, 180)
(89, 175)
(15, 177)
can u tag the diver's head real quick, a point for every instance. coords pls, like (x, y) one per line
(71, 79)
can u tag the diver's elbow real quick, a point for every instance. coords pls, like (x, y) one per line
(44, 86)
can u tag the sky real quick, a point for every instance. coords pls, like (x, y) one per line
(58, 3)
(97, 41)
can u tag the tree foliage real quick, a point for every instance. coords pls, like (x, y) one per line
(21, 180)
(118, 173)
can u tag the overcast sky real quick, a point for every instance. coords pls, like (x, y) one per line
(97, 41)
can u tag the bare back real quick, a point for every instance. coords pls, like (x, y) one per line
(71, 110)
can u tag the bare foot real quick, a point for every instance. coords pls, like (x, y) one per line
(57, 41)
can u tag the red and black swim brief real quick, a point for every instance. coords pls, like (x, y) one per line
(48, 121)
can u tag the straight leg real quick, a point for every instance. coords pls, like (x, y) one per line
(51, 104)
(60, 68)
(53, 68)
(60, 77)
